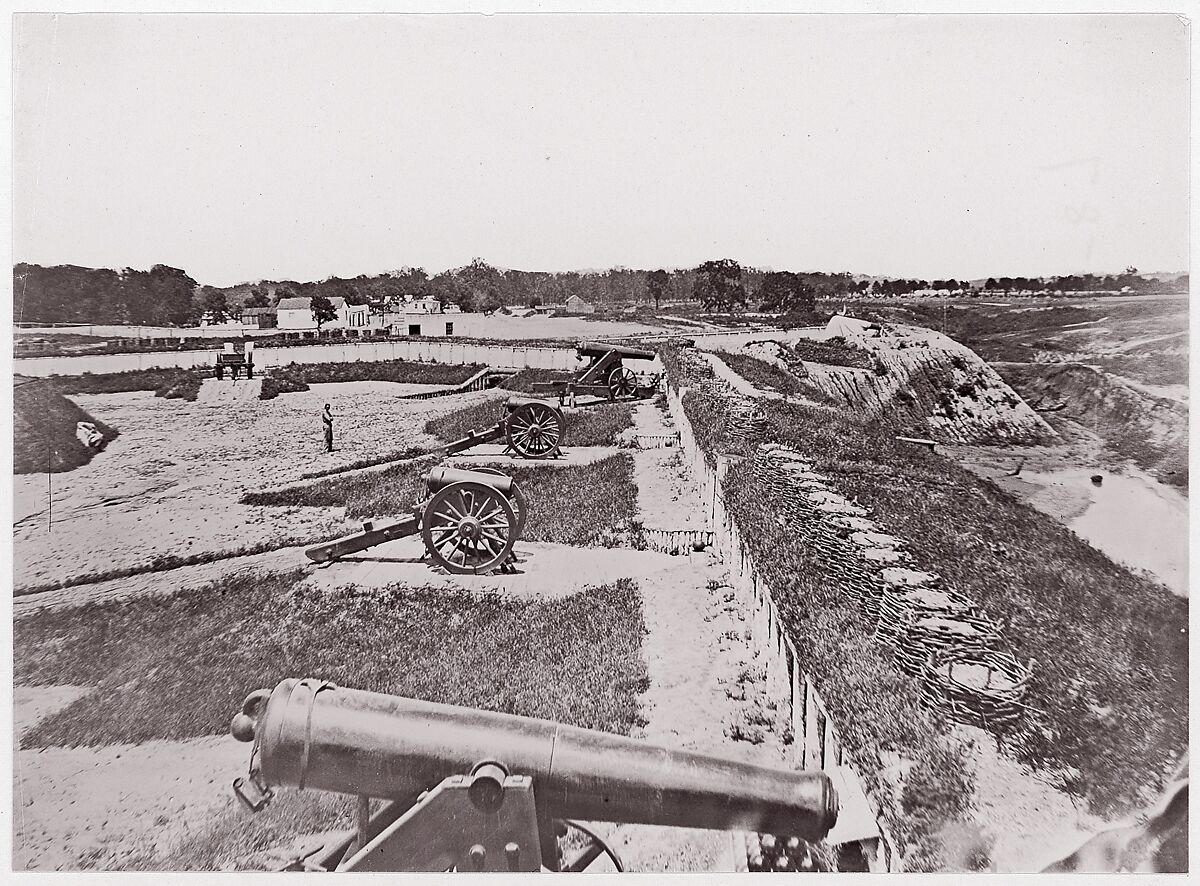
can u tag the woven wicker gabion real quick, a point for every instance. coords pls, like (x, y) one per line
(928, 635)
(978, 687)
(899, 605)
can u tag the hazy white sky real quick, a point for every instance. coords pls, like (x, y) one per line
(248, 147)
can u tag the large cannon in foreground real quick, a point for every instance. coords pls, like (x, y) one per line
(469, 524)
(606, 374)
(478, 790)
(530, 428)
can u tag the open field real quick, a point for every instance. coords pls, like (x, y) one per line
(660, 649)
(169, 485)
(448, 638)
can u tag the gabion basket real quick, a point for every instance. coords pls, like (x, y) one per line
(900, 605)
(977, 687)
(928, 635)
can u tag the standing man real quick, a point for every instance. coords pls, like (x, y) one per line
(327, 421)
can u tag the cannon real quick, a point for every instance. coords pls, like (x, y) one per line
(478, 790)
(530, 428)
(235, 361)
(606, 374)
(469, 524)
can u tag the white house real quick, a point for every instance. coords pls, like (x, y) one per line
(423, 306)
(296, 313)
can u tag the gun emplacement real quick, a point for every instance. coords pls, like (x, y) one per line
(311, 734)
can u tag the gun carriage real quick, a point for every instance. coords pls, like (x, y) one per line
(474, 790)
(234, 362)
(469, 524)
(606, 374)
(530, 428)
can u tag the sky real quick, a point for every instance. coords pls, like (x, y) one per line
(248, 147)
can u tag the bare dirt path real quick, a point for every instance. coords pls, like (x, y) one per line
(702, 678)
(96, 808)
(169, 484)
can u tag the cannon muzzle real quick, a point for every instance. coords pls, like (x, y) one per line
(315, 735)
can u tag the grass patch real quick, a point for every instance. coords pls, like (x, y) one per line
(44, 425)
(180, 666)
(767, 376)
(595, 426)
(833, 352)
(586, 505)
(298, 376)
(179, 384)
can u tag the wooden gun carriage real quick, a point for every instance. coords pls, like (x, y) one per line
(234, 362)
(530, 428)
(606, 374)
(469, 524)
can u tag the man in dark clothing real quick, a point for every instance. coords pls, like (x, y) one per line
(327, 421)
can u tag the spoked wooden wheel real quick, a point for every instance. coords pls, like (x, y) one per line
(469, 528)
(533, 430)
(516, 498)
(622, 383)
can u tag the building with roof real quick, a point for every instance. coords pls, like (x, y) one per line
(576, 305)
(258, 318)
(296, 313)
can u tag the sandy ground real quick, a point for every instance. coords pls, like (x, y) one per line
(546, 571)
(695, 652)
(93, 808)
(169, 484)
(1034, 823)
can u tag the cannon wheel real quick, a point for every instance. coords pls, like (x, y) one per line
(516, 498)
(468, 528)
(622, 383)
(533, 430)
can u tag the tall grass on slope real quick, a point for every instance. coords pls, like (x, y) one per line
(1110, 648)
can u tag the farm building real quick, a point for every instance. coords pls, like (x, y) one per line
(258, 318)
(576, 305)
(296, 313)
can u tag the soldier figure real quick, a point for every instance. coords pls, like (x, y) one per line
(327, 421)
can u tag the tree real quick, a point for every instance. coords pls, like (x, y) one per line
(786, 293)
(656, 283)
(322, 309)
(213, 302)
(718, 285)
(258, 298)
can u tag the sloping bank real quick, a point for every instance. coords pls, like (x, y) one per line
(1104, 703)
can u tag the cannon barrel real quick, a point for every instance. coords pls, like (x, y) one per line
(599, 349)
(312, 734)
(440, 478)
(515, 402)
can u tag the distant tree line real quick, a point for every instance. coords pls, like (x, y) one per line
(165, 296)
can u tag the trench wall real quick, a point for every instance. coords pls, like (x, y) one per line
(816, 743)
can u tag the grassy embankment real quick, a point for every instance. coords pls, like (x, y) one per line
(296, 377)
(180, 666)
(1109, 687)
(44, 425)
